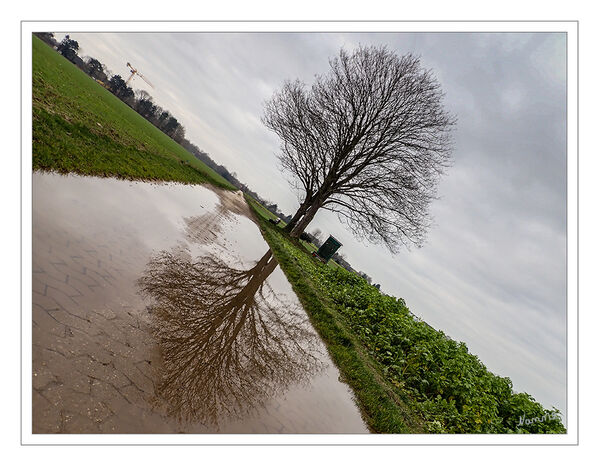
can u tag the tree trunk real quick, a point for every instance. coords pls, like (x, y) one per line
(299, 228)
(298, 215)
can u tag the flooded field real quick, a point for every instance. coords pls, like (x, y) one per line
(158, 308)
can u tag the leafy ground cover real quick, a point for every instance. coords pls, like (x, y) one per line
(78, 126)
(406, 376)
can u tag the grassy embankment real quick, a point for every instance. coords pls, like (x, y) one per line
(80, 127)
(382, 406)
(406, 376)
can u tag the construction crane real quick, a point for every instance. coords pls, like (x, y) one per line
(135, 72)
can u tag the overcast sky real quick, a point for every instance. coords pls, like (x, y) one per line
(493, 271)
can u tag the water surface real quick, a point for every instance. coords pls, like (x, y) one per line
(158, 308)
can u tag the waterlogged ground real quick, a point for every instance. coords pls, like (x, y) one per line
(158, 308)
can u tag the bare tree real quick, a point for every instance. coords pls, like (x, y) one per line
(368, 141)
(141, 94)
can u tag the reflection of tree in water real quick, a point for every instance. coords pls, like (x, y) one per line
(207, 228)
(227, 341)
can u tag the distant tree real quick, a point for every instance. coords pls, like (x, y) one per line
(171, 125)
(68, 48)
(162, 119)
(118, 87)
(272, 207)
(109, 73)
(115, 84)
(96, 69)
(178, 134)
(128, 96)
(141, 94)
(48, 38)
(79, 63)
(146, 108)
(368, 141)
(157, 112)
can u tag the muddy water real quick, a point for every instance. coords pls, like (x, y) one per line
(158, 308)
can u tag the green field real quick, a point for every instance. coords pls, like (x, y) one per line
(80, 127)
(407, 377)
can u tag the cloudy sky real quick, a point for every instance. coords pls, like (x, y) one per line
(493, 271)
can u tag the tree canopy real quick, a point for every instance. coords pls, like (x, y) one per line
(68, 47)
(368, 141)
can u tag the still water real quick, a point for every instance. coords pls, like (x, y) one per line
(159, 308)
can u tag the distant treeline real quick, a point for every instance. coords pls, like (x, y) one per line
(142, 102)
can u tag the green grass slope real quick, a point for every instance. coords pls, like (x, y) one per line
(78, 126)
